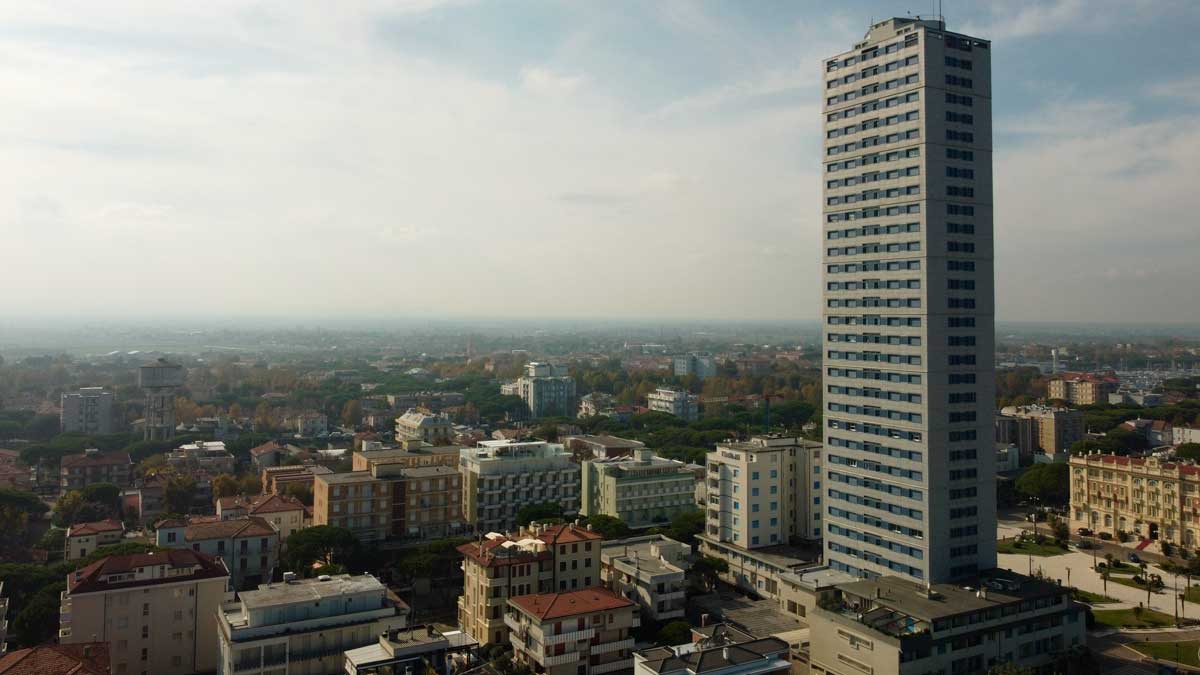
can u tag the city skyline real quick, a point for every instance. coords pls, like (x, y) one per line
(469, 153)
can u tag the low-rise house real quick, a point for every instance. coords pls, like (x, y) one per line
(418, 649)
(208, 456)
(304, 626)
(271, 453)
(309, 425)
(276, 479)
(286, 514)
(156, 611)
(588, 631)
(88, 658)
(92, 466)
(422, 425)
(681, 404)
(84, 538)
(717, 650)
(248, 546)
(650, 571)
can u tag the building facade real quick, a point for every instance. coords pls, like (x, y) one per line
(1050, 431)
(156, 611)
(79, 471)
(681, 404)
(643, 490)
(248, 546)
(650, 571)
(696, 365)
(908, 304)
(1144, 497)
(500, 477)
(286, 514)
(422, 425)
(1082, 388)
(87, 411)
(84, 538)
(210, 456)
(426, 501)
(302, 627)
(585, 632)
(357, 501)
(159, 380)
(538, 559)
(547, 389)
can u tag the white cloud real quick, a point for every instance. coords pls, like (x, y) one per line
(545, 80)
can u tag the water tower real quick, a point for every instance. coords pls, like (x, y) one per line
(160, 379)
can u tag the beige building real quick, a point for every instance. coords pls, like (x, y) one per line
(650, 571)
(276, 478)
(79, 471)
(157, 611)
(249, 546)
(302, 627)
(411, 453)
(584, 632)
(764, 492)
(642, 490)
(425, 501)
(425, 426)
(83, 539)
(357, 501)
(1042, 430)
(500, 477)
(890, 625)
(1082, 388)
(1145, 497)
(540, 559)
(286, 514)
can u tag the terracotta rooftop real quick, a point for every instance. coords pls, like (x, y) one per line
(256, 504)
(251, 526)
(546, 606)
(97, 527)
(87, 658)
(269, 446)
(568, 533)
(95, 577)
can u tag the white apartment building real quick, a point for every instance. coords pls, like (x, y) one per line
(157, 611)
(425, 426)
(500, 477)
(547, 389)
(642, 490)
(302, 627)
(650, 571)
(681, 404)
(908, 304)
(87, 411)
(764, 492)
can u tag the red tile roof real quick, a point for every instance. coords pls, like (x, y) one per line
(250, 526)
(568, 533)
(546, 606)
(88, 658)
(97, 527)
(256, 504)
(269, 446)
(94, 577)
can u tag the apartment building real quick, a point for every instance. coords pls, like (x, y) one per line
(908, 304)
(764, 492)
(79, 471)
(547, 389)
(208, 456)
(422, 425)
(285, 514)
(697, 365)
(1042, 433)
(357, 501)
(276, 478)
(891, 625)
(1146, 497)
(650, 571)
(84, 538)
(310, 425)
(584, 632)
(1082, 388)
(500, 477)
(642, 490)
(426, 501)
(303, 626)
(717, 650)
(87, 411)
(539, 559)
(156, 611)
(417, 649)
(248, 546)
(681, 404)
(411, 453)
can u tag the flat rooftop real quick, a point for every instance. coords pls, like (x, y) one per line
(348, 477)
(308, 590)
(999, 587)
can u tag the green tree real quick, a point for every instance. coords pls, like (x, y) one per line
(608, 526)
(322, 543)
(179, 493)
(301, 491)
(53, 542)
(225, 485)
(66, 508)
(251, 484)
(1188, 451)
(708, 570)
(685, 526)
(674, 633)
(352, 414)
(539, 512)
(1050, 483)
(37, 622)
(104, 494)
(24, 501)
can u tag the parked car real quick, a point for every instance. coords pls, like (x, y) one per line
(1106, 536)
(1134, 558)
(1084, 532)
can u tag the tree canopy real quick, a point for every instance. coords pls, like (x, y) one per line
(540, 512)
(321, 543)
(608, 526)
(1049, 483)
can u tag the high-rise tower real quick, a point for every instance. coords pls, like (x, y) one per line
(160, 380)
(909, 304)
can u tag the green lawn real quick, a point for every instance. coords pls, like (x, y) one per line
(1179, 652)
(1192, 594)
(1092, 598)
(1128, 581)
(1029, 548)
(1126, 618)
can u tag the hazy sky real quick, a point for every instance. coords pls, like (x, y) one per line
(603, 158)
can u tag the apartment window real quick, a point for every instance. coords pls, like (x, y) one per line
(145, 632)
(145, 653)
(145, 609)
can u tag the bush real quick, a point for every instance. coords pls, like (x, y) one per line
(1166, 547)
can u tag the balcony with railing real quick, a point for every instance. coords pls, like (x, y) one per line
(606, 647)
(573, 636)
(620, 664)
(558, 659)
